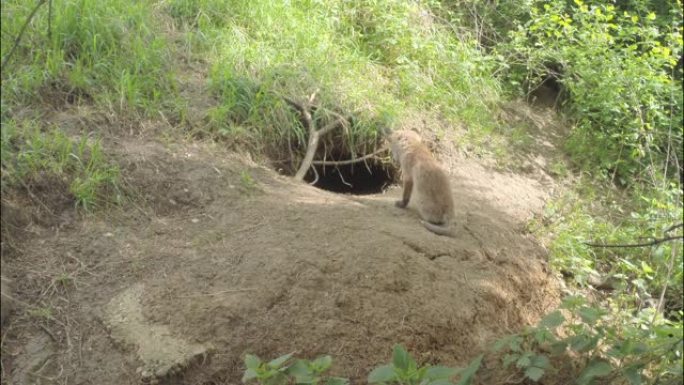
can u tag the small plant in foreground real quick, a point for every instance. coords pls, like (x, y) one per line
(287, 370)
(612, 346)
(405, 371)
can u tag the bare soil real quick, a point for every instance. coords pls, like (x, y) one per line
(215, 256)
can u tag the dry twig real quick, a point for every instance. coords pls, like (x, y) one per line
(655, 241)
(350, 161)
(314, 133)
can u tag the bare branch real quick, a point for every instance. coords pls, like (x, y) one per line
(333, 125)
(310, 152)
(315, 176)
(21, 34)
(350, 161)
(655, 241)
(673, 227)
(316, 134)
(298, 106)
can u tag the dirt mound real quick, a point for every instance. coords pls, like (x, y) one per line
(228, 254)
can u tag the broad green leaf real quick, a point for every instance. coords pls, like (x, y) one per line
(524, 360)
(573, 301)
(633, 374)
(515, 342)
(589, 314)
(543, 335)
(499, 344)
(534, 373)
(249, 374)
(468, 373)
(276, 363)
(440, 372)
(509, 359)
(582, 343)
(559, 347)
(552, 320)
(337, 381)
(322, 363)
(595, 368)
(252, 361)
(299, 369)
(641, 348)
(384, 373)
(400, 357)
(540, 361)
(306, 380)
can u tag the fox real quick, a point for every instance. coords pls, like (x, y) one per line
(424, 180)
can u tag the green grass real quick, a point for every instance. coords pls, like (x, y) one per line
(110, 53)
(31, 156)
(376, 61)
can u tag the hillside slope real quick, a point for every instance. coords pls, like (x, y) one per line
(227, 257)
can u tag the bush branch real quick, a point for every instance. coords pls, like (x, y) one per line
(20, 35)
(350, 161)
(315, 135)
(655, 241)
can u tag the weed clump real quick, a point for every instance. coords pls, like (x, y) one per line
(48, 159)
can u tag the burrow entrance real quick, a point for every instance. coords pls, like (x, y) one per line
(359, 178)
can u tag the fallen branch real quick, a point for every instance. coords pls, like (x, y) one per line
(673, 227)
(314, 134)
(349, 161)
(655, 241)
(20, 35)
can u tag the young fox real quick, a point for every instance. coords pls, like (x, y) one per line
(424, 180)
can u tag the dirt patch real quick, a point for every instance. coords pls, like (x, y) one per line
(161, 353)
(234, 256)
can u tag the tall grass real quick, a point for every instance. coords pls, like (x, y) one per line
(377, 61)
(107, 52)
(30, 155)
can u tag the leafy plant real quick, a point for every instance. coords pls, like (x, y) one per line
(287, 370)
(618, 65)
(609, 345)
(405, 371)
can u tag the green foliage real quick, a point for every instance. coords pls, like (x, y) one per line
(404, 370)
(287, 370)
(110, 52)
(30, 155)
(593, 213)
(607, 344)
(618, 67)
